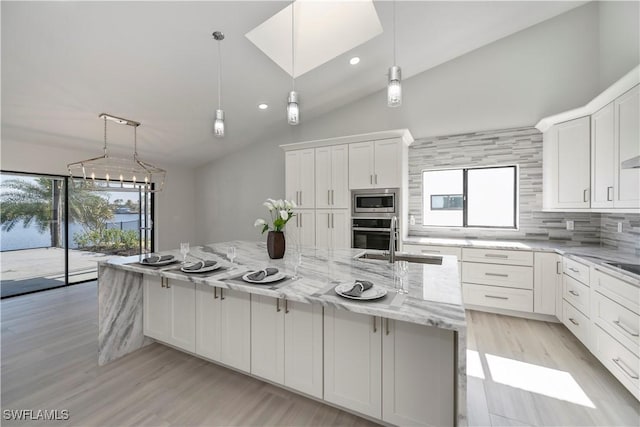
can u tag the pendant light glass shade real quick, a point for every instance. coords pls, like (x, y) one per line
(293, 111)
(218, 125)
(394, 87)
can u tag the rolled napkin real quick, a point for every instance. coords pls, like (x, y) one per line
(358, 288)
(199, 265)
(154, 259)
(262, 274)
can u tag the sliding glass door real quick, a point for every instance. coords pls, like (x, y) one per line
(54, 231)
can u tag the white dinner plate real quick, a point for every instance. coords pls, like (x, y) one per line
(202, 270)
(269, 279)
(373, 292)
(159, 263)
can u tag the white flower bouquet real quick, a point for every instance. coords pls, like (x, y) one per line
(281, 212)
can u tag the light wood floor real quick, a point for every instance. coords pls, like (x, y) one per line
(49, 354)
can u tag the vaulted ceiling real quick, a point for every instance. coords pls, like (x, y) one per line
(63, 63)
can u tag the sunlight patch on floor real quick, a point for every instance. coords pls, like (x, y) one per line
(474, 365)
(537, 379)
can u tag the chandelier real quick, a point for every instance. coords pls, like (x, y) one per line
(108, 173)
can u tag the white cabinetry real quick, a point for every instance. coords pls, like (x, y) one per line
(286, 343)
(602, 160)
(627, 146)
(304, 226)
(406, 400)
(332, 229)
(223, 329)
(547, 284)
(566, 165)
(168, 311)
(376, 164)
(300, 174)
(575, 304)
(353, 361)
(332, 177)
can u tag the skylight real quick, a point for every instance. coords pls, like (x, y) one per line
(324, 30)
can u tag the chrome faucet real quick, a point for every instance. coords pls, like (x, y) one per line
(393, 238)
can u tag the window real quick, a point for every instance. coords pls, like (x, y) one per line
(471, 197)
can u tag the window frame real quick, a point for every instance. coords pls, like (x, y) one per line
(516, 198)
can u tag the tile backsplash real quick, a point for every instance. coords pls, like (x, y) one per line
(521, 146)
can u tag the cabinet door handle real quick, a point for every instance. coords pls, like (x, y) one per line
(558, 269)
(495, 297)
(584, 195)
(625, 369)
(300, 216)
(286, 306)
(162, 282)
(278, 305)
(215, 293)
(574, 293)
(167, 284)
(609, 196)
(625, 328)
(332, 223)
(388, 331)
(496, 274)
(328, 220)
(221, 294)
(370, 179)
(332, 194)
(328, 197)
(300, 197)
(375, 329)
(573, 321)
(496, 256)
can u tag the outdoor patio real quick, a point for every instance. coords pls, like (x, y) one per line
(30, 270)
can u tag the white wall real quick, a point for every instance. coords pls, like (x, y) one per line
(545, 69)
(619, 39)
(175, 212)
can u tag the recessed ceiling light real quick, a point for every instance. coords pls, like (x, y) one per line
(354, 60)
(263, 106)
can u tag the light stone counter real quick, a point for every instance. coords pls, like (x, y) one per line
(434, 297)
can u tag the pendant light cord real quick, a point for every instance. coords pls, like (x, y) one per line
(293, 63)
(135, 142)
(105, 136)
(394, 32)
(219, 77)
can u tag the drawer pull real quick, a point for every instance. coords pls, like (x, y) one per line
(574, 270)
(496, 274)
(495, 297)
(625, 369)
(496, 256)
(433, 251)
(573, 321)
(624, 328)
(574, 293)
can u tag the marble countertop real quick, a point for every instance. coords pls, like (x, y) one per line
(434, 294)
(592, 255)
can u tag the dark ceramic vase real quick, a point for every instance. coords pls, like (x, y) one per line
(276, 244)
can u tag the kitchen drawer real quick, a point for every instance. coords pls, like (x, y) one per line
(510, 276)
(624, 293)
(497, 297)
(576, 293)
(576, 322)
(576, 270)
(498, 256)
(430, 249)
(622, 363)
(622, 324)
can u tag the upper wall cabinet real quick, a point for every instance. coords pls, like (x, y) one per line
(566, 165)
(332, 174)
(299, 181)
(375, 164)
(591, 155)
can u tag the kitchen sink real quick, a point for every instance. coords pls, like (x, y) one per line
(632, 268)
(402, 256)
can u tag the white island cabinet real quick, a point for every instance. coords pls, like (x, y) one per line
(168, 311)
(286, 343)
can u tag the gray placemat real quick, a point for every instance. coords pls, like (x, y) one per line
(274, 285)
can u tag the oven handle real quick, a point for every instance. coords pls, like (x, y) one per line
(386, 230)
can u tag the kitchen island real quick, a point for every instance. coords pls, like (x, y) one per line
(400, 359)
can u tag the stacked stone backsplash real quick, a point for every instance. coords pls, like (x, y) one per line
(523, 147)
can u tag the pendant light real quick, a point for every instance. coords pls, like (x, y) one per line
(218, 125)
(293, 109)
(108, 173)
(394, 87)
